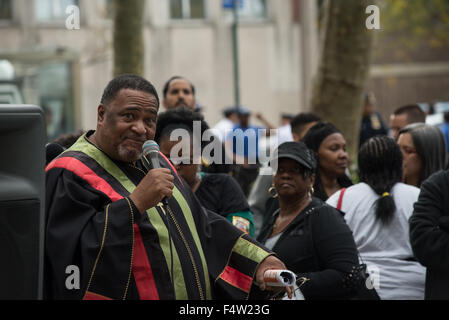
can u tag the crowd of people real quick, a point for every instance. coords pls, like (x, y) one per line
(190, 224)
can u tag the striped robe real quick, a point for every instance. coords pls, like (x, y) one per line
(181, 251)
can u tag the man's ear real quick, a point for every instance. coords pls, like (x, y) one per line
(164, 103)
(101, 110)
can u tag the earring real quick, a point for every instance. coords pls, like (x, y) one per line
(272, 191)
(311, 191)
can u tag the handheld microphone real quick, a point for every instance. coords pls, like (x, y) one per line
(151, 149)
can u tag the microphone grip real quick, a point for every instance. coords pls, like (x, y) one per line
(154, 159)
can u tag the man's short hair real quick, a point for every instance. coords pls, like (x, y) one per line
(227, 112)
(167, 85)
(413, 111)
(288, 116)
(370, 99)
(299, 121)
(127, 81)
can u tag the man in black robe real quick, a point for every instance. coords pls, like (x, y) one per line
(104, 217)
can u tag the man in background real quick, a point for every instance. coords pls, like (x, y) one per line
(225, 125)
(243, 144)
(372, 124)
(404, 116)
(179, 92)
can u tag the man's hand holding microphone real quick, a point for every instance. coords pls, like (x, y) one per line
(157, 185)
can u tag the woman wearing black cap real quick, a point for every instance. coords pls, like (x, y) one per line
(330, 147)
(310, 237)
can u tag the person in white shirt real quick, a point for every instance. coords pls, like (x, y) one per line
(225, 125)
(377, 211)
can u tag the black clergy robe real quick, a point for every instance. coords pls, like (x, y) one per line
(92, 225)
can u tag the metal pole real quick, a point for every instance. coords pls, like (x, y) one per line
(235, 51)
(310, 52)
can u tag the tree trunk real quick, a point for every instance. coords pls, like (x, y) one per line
(128, 37)
(344, 68)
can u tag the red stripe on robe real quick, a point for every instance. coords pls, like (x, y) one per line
(142, 271)
(87, 174)
(94, 296)
(173, 168)
(236, 278)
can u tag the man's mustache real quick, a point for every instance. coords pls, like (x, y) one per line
(141, 139)
(181, 102)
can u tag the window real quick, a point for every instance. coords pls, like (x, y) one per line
(55, 88)
(109, 9)
(52, 10)
(247, 9)
(253, 9)
(46, 83)
(5, 9)
(187, 9)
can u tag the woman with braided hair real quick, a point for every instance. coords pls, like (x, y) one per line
(377, 211)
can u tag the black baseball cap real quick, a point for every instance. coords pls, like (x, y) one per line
(297, 151)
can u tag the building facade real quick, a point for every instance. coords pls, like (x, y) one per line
(65, 71)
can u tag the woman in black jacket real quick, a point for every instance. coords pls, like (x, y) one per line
(329, 148)
(429, 234)
(310, 237)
